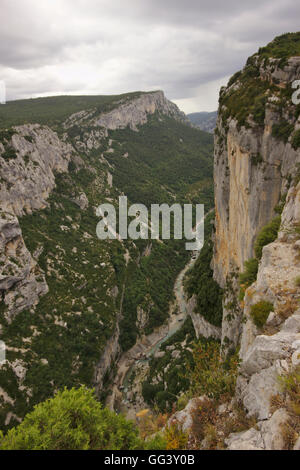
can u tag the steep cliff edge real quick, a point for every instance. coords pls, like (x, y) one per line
(256, 262)
(256, 155)
(256, 175)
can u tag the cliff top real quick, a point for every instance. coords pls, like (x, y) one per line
(282, 47)
(56, 109)
(266, 79)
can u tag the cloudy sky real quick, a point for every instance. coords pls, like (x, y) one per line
(188, 48)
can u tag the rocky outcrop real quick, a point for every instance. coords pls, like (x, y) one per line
(30, 155)
(110, 354)
(28, 177)
(21, 280)
(131, 112)
(266, 356)
(202, 327)
(267, 436)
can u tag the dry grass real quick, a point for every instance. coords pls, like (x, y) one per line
(149, 423)
(210, 428)
(286, 309)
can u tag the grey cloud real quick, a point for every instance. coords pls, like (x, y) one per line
(104, 46)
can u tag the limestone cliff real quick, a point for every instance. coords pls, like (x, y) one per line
(256, 174)
(128, 112)
(253, 166)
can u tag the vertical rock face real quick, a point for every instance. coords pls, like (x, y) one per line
(257, 157)
(253, 164)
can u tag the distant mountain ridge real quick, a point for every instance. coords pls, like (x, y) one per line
(206, 121)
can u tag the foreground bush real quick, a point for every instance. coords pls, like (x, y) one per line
(74, 420)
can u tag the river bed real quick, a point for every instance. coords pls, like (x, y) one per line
(137, 358)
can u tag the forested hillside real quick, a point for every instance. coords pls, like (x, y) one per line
(73, 303)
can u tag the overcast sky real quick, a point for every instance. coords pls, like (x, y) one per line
(188, 48)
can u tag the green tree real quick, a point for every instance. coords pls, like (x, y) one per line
(72, 420)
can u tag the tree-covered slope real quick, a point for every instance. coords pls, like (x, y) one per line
(98, 296)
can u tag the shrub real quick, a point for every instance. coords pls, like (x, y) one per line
(73, 420)
(159, 442)
(211, 375)
(282, 131)
(256, 159)
(250, 273)
(9, 153)
(6, 135)
(296, 140)
(204, 414)
(267, 235)
(200, 281)
(290, 387)
(175, 437)
(260, 311)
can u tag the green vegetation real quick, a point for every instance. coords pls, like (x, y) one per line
(282, 130)
(282, 47)
(296, 140)
(248, 276)
(72, 420)
(199, 281)
(6, 135)
(56, 109)
(9, 153)
(250, 97)
(290, 387)
(5, 138)
(260, 311)
(256, 159)
(166, 160)
(267, 235)
(196, 369)
(145, 282)
(90, 281)
(210, 374)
